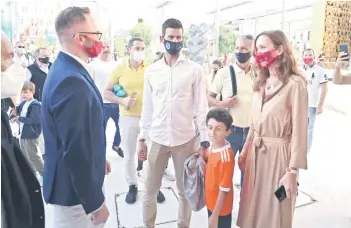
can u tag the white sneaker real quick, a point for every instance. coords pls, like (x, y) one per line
(169, 175)
(140, 175)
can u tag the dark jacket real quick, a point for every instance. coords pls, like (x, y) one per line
(75, 143)
(32, 121)
(38, 78)
(20, 190)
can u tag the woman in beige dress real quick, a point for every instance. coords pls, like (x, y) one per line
(276, 146)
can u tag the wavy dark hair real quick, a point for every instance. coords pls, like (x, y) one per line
(286, 62)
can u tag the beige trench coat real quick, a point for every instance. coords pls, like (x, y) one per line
(279, 128)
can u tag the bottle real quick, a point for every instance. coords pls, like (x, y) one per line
(131, 96)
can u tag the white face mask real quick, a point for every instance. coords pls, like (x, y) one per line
(138, 56)
(20, 50)
(12, 81)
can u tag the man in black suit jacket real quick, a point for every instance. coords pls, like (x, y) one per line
(21, 199)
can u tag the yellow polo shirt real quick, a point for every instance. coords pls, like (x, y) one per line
(222, 84)
(131, 80)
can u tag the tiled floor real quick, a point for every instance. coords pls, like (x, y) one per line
(324, 213)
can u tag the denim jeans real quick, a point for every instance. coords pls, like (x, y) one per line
(237, 140)
(112, 111)
(311, 120)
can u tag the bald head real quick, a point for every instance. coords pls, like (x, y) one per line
(6, 52)
(106, 50)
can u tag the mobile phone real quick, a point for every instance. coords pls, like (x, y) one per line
(344, 48)
(280, 193)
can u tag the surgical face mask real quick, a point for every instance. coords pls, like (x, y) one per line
(12, 81)
(138, 56)
(20, 50)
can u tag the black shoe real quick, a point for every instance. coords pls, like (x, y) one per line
(132, 193)
(119, 151)
(160, 197)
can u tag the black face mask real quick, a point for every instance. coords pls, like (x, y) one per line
(173, 48)
(44, 60)
(242, 57)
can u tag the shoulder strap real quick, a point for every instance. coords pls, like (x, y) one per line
(233, 79)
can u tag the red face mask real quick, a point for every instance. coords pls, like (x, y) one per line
(265, 59)
(95, 49)
(308, 60)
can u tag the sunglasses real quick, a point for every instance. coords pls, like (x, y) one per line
(20, 46)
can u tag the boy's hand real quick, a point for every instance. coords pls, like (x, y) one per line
(203, 152)
(213, 221)
(15, 119)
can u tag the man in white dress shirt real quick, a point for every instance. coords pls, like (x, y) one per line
(174, 93)
(103, 68)
(20, 54)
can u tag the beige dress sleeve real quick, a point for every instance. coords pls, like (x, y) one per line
(299, 107)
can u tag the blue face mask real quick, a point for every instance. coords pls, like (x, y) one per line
(173, 48)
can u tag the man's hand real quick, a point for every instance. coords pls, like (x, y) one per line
(342, 58)
(142, 152)
(107, 168)
(319, 110)
(100, 216)
(128, 102)
(229, 102)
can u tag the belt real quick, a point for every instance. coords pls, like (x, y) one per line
(258, 140)
(258, 143)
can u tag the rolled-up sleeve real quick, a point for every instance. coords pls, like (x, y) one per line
(201, 103)
(147, 108)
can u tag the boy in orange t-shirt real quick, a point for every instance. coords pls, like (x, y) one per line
(219, 170)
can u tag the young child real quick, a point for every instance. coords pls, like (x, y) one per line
(219, 170)
(30, 126)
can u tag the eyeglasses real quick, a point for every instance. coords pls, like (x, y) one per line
(20, 46)
(99, 34)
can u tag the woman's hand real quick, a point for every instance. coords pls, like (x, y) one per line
(242, 157)
(289, 181)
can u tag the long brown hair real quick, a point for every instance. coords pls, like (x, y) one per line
(286, 62)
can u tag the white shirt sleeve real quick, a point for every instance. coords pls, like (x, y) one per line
(201, 103)
(147, 108)
(28, 74)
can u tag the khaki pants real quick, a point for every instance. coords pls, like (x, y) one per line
(158, 156)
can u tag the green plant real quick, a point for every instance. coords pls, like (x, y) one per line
(143, 31)
(227, 40)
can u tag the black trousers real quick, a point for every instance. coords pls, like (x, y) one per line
(223, 221)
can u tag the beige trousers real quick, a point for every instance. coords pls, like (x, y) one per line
(158, 156)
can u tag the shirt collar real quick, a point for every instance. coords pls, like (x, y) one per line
(81, 61)
(180, 59)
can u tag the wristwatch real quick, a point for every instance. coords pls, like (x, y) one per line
(205, 144)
